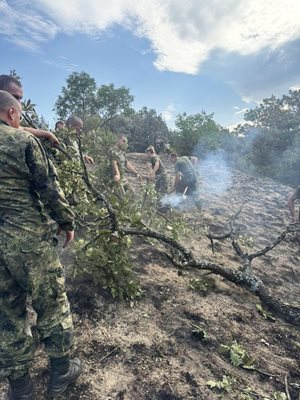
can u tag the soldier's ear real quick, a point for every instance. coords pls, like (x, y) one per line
(11, 113)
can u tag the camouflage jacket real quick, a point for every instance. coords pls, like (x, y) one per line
(119, 156)
(28, 185)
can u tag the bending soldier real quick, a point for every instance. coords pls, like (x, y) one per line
(185, 175)
(29, 264)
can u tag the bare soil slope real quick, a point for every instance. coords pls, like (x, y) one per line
(151, 351)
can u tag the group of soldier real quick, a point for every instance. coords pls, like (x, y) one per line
(31, 198)
(185, 171)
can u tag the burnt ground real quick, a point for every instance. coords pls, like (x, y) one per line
(152, 351)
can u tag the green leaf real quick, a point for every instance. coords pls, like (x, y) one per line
(266, 314)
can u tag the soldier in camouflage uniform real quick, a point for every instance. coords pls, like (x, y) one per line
(11, 85)
(29, 264)
(119, 163)
(156, 171)
(185, 175)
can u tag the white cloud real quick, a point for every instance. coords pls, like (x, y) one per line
(25, 29)
(169, 113)
(62, 62)
(182, 34)
(295, 87)
(241, 111)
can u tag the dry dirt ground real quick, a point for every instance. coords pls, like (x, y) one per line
(151, 351)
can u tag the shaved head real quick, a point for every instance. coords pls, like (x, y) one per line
(75, 122)
(72, 121)
(10, 109)
(7, 101)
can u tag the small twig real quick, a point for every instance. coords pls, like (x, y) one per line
(109, 354)
(212, 245)
(286, 386)
(265, 373)
(171, 388)
(294, 273)
(234, 216)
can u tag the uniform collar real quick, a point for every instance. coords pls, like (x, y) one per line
(3, 122)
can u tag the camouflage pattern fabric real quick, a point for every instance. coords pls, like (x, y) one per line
(29, 264)
(161, 180)
(154, 159)
(161, 184)
(188, 181)
(120, 157)
(122, 187)
(185, 167)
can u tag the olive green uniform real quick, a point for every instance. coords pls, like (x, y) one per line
(188, 181)
(161, 180)
(29, 265)
(123, 185)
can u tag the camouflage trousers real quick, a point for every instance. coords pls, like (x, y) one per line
(161, 184)
(30, 267)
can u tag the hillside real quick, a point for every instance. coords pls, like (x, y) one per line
(155, 350)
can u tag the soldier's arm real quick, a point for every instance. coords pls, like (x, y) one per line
(156, 167)
(45, 183)
(131, 169)
(116, 171)
(41, 134)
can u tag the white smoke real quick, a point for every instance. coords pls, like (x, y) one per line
(214, 174)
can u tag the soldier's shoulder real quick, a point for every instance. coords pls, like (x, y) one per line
(18, 134)
(115, 152)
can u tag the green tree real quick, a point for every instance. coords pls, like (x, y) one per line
(147, 126)
(77, 97)
(96, 106)
(111, 102)
(196, 134)
(275, 148)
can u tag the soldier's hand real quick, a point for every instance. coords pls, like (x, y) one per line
(52, 139)
(69, 237)
(139, 177)
(116, 178)
(151, 176)
(89, 160)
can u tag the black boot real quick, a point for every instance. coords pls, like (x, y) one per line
(63, 372)
(21, 388)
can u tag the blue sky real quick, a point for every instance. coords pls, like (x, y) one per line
(218, 56)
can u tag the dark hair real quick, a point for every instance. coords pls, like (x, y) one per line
(6, 80)
(59, 122)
